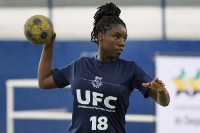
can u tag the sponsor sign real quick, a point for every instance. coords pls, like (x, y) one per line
(181, 74)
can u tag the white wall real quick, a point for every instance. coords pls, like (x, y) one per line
(75, 23)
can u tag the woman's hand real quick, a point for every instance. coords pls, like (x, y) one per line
(156, 84)
(51, 41)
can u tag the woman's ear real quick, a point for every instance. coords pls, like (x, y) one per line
(100, 37)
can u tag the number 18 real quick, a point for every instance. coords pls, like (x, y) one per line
(102, 123)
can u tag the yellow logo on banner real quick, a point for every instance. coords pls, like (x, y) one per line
(188, 86)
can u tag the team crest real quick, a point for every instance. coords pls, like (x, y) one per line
(97, 82)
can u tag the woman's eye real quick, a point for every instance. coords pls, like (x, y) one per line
(116, 37)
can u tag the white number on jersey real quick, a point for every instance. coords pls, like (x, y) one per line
(102, 123)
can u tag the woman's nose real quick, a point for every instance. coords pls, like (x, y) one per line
(122, 42)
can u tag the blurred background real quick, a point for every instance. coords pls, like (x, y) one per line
(155, 27)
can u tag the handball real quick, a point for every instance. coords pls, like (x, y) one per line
(38, 29)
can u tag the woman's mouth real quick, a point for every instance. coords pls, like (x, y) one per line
(119, 50)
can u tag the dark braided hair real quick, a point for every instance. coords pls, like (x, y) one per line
(106, 16)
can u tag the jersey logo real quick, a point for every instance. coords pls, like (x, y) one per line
(97, 82)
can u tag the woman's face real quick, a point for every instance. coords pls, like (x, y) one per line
(112, 42)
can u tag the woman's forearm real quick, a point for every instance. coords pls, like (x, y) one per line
(163, 98)
(45, 67)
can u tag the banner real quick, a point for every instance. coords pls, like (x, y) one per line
(181, 75)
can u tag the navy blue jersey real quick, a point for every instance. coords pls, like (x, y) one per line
(101, 92)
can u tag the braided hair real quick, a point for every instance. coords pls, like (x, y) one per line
(106, 16)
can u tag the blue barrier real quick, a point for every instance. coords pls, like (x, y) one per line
(19, 60)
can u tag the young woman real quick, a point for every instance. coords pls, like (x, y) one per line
(101, 85)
